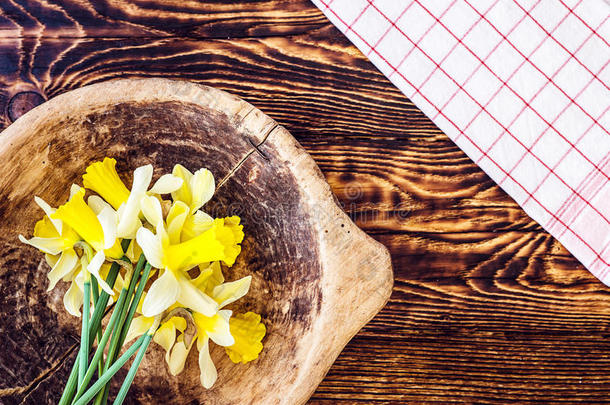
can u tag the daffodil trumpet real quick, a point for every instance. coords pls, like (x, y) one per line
(176, 295)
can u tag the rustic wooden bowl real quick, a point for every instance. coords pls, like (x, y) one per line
(317, 277)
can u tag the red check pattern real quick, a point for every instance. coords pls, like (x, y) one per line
(521, 86)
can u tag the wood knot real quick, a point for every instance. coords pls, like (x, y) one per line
(23, 102)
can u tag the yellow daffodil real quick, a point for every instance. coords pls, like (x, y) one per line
(164, 250)
(215, 327)
(73, 298)
(98, 231)
(165, 335)
(103, 178)
(57, 240)
(248, 332)
(196, 190)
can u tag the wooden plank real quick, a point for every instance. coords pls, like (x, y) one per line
(157, 18)
(487, 306)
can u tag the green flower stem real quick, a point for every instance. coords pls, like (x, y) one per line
(95, 293)
(105, 378)
(135, 302)
(100, 347)
(132, 371)
(94, 325)
(83, 355)
(114, 348)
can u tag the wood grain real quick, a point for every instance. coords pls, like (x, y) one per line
(487, 307)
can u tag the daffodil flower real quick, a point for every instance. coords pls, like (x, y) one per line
(196, 189)
(165, 335)
(215, 328)
(103, 178)
(248, 332)
(164, 250)
(98, 231)
(57, 240)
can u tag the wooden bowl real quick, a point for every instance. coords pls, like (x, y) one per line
(317, 278)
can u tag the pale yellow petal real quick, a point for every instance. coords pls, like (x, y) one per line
(94, 268)
(178, 356)
(166, 337)
(216, 327)
(221, 332)
(202, 187)
(108, 220)
(151, 246)
(151, 208)
(227, 293)
(193, 298)
(162, 293)
(52, 246)
(138, 327)
(175, 221)
(48, 210)
(183, 193)
(73, 299)
(207, 369)
(195, 225)
(168, 183)
(66, 263)
(97, 204)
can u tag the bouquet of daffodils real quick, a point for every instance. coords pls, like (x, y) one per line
(158, 262)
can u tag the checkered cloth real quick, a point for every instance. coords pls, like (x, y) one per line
(520, 86)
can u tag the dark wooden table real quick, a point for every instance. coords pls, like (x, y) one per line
(487, 307)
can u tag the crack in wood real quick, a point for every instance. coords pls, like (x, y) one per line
(49, 373)
(255, 149)
(26, 390)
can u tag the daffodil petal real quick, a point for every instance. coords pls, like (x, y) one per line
(108, 220)
(183, 193)
(97, 204)
(193, 298)
(141, 179)
(48, 210)
(195, 225)
(202, 188)
(94, 268)
(151, 208)
(138, 327)
(73, 298)
(79, 216)
(151, 247)
(168, 183)
(178, 356)
(52, 246)
(221, 332)
(128, 220)
(227, 293)
(103, 178)
(175, 221)
(165, 336)
(248, 331)
(162, 293)
(207, 369)
(51, 259)
(74, 188)
(66, 263)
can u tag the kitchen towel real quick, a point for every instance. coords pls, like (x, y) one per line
(520, 86)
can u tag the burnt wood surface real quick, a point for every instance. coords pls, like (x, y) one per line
(486, 307)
